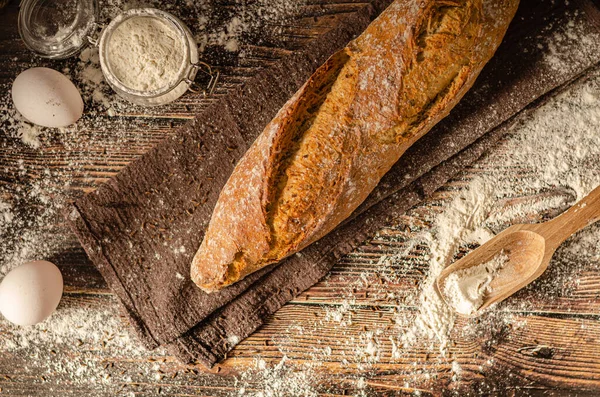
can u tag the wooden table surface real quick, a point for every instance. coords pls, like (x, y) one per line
(317, 344)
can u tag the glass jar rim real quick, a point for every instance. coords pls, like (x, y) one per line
(164, 16)
(72, 42)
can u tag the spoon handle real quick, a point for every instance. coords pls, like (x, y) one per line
(583, 213)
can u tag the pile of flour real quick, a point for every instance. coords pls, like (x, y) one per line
(146, 54)
(465, 289)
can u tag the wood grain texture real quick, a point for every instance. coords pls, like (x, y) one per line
(551, 349)
(169, 181)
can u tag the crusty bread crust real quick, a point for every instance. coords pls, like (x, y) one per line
(331, 143)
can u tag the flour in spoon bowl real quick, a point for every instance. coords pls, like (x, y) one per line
(465, 289)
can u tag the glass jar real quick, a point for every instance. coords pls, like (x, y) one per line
(58, 29)
(177, 85)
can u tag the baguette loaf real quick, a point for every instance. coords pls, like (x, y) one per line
(331, 143)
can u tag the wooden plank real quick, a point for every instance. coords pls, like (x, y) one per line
(544, 352)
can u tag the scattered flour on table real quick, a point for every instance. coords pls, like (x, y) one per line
(547, 162)
(279, 380)
(28, 235)
(6, 216)
(95, 333)
(465, 289)
(558, 145)
(73, 325)
(29, 134)
(16, 126)
(249, 20)
(456, 371)
(92, 85)
(30, 211)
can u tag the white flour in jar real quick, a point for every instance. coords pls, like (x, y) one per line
(146, 54)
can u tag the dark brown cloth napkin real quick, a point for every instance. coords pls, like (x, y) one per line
(142, 228)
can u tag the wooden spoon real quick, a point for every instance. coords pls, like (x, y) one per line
(529, 249)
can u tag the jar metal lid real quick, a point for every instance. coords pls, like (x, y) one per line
(57, 29)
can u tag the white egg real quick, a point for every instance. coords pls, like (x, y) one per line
(31, 292)
(47, 98)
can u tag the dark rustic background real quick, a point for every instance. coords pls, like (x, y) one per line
(556, 353)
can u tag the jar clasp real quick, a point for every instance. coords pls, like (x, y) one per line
(96, 32)
(207, 70)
